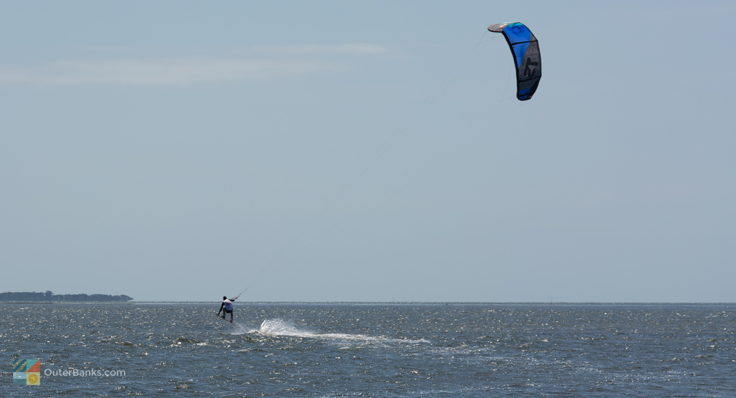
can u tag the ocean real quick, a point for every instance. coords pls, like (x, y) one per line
(371, 350)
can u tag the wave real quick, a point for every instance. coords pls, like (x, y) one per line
(279, 327)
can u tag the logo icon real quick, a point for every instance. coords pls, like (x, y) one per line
(27, 372)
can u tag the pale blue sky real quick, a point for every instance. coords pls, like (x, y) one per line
(333, 150)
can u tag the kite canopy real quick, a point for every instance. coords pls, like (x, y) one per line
(525, 48)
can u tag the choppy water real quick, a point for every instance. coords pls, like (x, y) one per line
(373, 350)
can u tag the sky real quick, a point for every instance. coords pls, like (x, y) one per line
(367, 151)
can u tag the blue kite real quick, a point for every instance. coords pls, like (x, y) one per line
(525, 48)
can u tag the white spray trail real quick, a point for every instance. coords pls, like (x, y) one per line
(279, 327)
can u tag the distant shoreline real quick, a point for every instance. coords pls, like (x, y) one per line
(48, 297)
(64, 302)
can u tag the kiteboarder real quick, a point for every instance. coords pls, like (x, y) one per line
(226, 308)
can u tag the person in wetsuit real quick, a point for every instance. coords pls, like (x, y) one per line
(226, 308)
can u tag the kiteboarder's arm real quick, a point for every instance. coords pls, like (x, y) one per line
(220, 310)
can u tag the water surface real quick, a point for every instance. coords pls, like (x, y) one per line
(373, 350)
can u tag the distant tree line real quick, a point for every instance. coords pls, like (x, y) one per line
(50, 296)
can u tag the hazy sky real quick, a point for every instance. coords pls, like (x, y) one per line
(367, 150)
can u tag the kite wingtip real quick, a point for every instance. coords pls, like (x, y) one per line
(496, 27)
